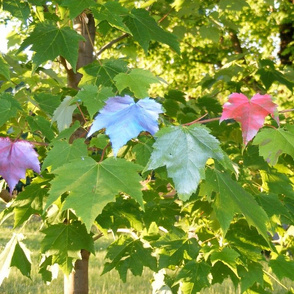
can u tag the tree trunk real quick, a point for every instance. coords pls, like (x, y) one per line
(84, 24)
(77, 282)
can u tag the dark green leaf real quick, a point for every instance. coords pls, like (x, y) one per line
(194, 277)
(282, 267)
(231, 199)
(39, 123)
(65, 241)
(8, 107)
(144, 29)
(78, 6)
(103, 72)
(49, 41)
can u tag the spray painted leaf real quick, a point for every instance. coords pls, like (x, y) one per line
(250, 113)
(124, 119)
(63, 113)
(184, 151)
(15, 158)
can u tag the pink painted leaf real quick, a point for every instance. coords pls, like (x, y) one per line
(15, 158)
(249, 113)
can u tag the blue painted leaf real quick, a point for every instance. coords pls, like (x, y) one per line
(124, 119)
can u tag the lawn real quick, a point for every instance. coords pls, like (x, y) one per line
(106, 284)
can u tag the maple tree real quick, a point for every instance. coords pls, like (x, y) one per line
(134, 115)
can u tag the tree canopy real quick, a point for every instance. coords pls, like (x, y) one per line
(170, 119)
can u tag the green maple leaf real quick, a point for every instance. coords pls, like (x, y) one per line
(184, 151)
(49, 42)
(65, 241)
(63, 152)
(97, 185)
(30, 201)
(78, 6)
(144, 29)
(39, 123)
(174, 247)
(103, 72)
(15, 254)
(274, 142)
(93, 98)
(138, 80)
(63, 113)
(194, 277)
(47, 102)
(253, 275)
(4, 69)
(126, 253)
(8, 107)
(19, 9)
(227, 256)
(282, 267)
(113, 13)
(232, 198)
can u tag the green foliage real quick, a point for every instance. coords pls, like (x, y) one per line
(191, 201)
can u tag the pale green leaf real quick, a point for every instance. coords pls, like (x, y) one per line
(49, 41)
(8, 258)
(231, 198)
(184, 151)
(97, 185)
(63, 152)
(93, 98)
(138, 81)
(273, 143)
(63, 113)
(4, 69)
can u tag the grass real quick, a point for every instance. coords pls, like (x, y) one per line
(106, 284)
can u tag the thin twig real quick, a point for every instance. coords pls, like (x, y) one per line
(103, 152)
(95, 238)
(78, 105)
(109, 45)
(198, 120)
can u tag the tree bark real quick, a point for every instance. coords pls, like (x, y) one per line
(78, 281)
(84, 24)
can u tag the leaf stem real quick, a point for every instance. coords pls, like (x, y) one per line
(198, 120)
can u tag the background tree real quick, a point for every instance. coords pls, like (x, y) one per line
(199, 200)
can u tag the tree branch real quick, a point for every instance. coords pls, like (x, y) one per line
(111, 43)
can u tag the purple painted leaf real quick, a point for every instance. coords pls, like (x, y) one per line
(15, 158)
(124, 119)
